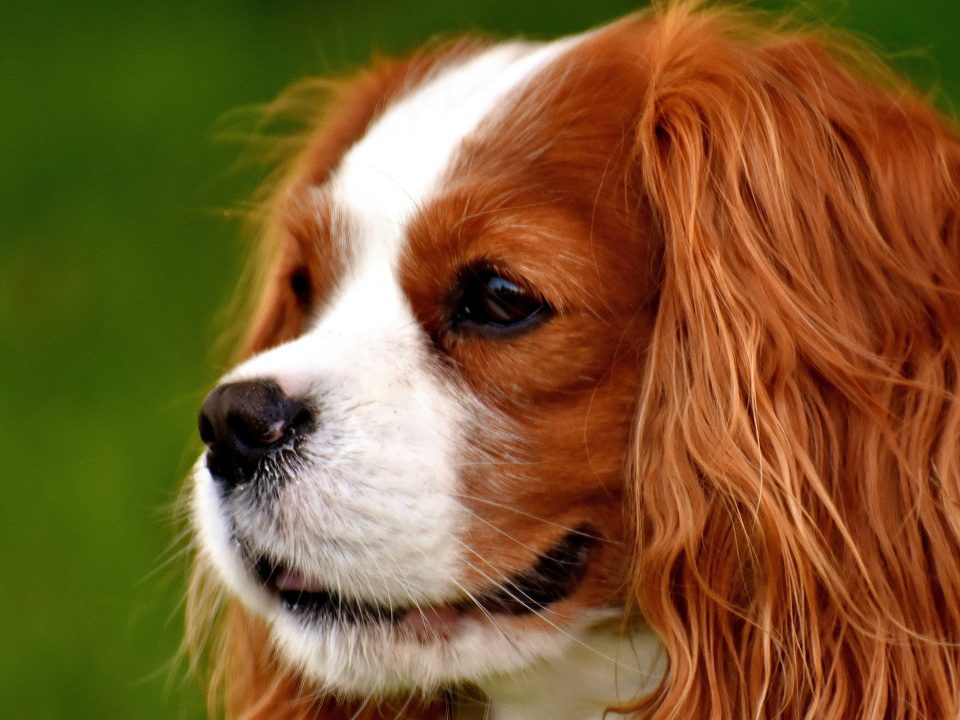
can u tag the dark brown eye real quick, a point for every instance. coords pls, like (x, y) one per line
(302, 287)
(489, 303)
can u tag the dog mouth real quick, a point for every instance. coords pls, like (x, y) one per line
(553, 576)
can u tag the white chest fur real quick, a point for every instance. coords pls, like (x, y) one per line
(603, 668)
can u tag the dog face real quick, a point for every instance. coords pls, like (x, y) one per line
(425, 485)
(657, 321)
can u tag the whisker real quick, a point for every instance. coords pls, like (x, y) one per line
(547, 620)
(360, 710)
(406, 703)
(506, 585)
(476, 601)
(170, 555)
(524, 513)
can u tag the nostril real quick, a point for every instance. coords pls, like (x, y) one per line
(259, 430)
(302, 420)
(274, 434)
(242, 423)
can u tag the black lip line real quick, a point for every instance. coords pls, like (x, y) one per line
(323, 603)
(553, 577)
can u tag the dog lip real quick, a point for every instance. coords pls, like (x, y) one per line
(292, 581)
(283, 579)
(554, 575)
(303, 596)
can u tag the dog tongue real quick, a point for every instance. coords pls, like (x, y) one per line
(431, 623)
(293, 581)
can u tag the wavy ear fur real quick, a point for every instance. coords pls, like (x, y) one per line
(795, 470)
(796, 476)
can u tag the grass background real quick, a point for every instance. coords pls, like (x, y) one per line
(116, 258)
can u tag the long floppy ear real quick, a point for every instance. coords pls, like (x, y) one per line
(796, 478)
(246, 679)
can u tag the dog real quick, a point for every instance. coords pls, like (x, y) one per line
(616, 374)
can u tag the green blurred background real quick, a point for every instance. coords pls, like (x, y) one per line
(118, 251)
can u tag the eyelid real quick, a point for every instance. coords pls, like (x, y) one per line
(466, 303)
(494, 267)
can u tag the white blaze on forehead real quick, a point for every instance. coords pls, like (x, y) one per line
(395, 168)
(373, 509)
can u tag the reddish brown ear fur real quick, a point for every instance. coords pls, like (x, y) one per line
(796, 458)
(795, 479)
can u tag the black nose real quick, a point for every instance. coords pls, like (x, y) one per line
(245, 422)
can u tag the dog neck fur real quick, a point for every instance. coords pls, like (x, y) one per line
(604, 668)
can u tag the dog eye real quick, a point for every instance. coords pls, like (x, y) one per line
(487, 302)
(302, 287)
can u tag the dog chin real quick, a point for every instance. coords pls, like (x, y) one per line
(385, 658)
(357, 646)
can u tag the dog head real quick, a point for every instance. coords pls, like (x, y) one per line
(658, 322)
